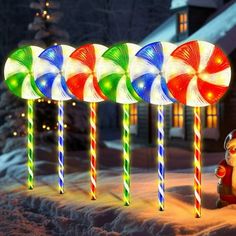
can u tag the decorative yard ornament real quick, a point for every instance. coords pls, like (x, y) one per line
(19, 78)
(199, 75)
(147, 76)
(50, 79)
(114, 81)
(226, 172)
(81, 79)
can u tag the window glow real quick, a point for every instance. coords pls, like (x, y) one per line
(183, 22)
(211, 116)
(177, 115)
(133, 114)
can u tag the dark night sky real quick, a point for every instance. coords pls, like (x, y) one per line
(100, 21)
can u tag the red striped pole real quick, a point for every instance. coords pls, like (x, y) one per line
(197, 161)
(93, 157)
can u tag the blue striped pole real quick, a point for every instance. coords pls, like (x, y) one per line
(60, 147)
(160, 156)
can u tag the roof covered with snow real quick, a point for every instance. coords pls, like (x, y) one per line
(220, 30)
(165, 32)
(198, 3)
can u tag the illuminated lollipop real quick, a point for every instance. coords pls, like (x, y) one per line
(114, 81)
(199, 75)
(147, 76)
(81, 79)
(50, 79)
(18, 73)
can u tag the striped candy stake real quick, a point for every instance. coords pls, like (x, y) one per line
(199, 76)
(50, 79)
(126, 154)
(93, 149)
(114, 81)
(60, 147)
(30, 145)
(160, 156)
(149, 82)
(197, 161)
(81, 79)
(18, 73)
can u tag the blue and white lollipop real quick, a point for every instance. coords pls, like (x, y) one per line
(50, 79)
(50, 72)
(148, 73)
(149, 82)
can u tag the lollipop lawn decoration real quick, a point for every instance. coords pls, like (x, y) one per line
(114, 81)
(18, 73)
(81, 79)
(50, 79)
(147, 76)
(199, 75)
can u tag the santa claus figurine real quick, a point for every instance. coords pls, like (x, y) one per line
(226, 172)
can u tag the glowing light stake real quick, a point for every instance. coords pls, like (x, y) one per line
(161, 164)
(61, 146)
(81, 79)
(197, 160)
(50, 79)
(93, 149)
(126, 151)
(30, 148)
(148, 80)
(18, 73)
(114, 81)
(199, 76)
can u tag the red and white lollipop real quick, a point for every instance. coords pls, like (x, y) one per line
(81, 79)
(199, 73)
(81, 73)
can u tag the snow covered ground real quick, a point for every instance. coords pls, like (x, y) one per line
(43, 211)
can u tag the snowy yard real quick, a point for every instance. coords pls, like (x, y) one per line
(45, 212)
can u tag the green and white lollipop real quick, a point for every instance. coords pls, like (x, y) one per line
(19, 78)
(114, 73)
(114, 81)
(18, 72)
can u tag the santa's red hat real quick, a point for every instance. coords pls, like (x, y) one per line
(230, 136)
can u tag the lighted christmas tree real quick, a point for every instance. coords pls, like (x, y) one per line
(45, 31)
(45, 23)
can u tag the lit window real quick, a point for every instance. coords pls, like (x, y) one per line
(211, 116)
(183, 22)
(133, 114)
(177, 115)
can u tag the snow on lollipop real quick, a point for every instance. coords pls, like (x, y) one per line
(18, 73)
(199, 75)
(149, 83)
(81, 79)
(50, 79)
(114, 81)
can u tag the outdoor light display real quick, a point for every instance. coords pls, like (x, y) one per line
(81, 79)
(196, 74)
(147, 76)
(199, 75)
(19, 78)
(114, 81)
(50, 79)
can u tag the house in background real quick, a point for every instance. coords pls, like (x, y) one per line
(209, 20)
